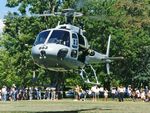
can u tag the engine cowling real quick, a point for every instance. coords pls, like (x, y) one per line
(91, 52)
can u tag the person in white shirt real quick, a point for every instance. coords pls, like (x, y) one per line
(138, 93)
(95, 92)
(129, 91)
(113, 92)
(105, 94)
(121, 91)
(4, 93)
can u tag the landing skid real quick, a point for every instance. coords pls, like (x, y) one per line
(88, 74)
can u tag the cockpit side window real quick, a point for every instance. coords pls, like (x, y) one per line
(41, 38)
(60, 37)
(75, 40)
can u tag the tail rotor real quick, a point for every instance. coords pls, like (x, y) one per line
(107, 55)
(109, 59)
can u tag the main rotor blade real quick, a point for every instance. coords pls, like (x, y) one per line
(46, 14)
(40, 15)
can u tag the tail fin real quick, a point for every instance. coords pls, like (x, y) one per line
(109, 59)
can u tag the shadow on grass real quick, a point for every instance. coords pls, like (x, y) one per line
(73, 111)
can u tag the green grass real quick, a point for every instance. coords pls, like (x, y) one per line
(71, 106)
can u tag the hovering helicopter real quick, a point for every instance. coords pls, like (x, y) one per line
(65, 48)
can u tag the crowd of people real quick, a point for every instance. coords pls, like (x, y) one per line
(28, 93)
(95, 92)
(116, 93)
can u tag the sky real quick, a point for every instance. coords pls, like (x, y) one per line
(3, 11)
(1, 26)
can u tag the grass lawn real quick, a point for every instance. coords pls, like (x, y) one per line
(71, 106)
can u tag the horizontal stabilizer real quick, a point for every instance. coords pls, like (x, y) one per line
(115, 58)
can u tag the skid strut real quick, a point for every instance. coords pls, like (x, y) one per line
(89, 76)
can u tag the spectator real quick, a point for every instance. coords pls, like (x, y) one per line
(0, 95)
(4, 93)
(83, 95)
(121, 91)
(105, 94)
(146, 90)
(138, 94)
(129, 91)
(30, 93)
(148, 96)
(143, 97)
(26, 93)
(53, 93)
(48, 93)
(13, 92)
(101, 91)
(38, 91)
(77, 91)
(113, 92)
(133, 94)
(95, 92)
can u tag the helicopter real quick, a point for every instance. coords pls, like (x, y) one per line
(65, 48)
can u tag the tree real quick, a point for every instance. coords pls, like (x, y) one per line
(19, 36)
(127, 21)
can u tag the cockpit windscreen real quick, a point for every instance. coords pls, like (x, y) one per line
(41, 37)
(60, 37)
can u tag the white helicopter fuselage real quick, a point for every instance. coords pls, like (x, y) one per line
(51, 59)
(63, 48)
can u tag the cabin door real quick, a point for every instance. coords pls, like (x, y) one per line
(74, 46)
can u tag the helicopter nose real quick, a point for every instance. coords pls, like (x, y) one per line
(42, 54)
(49, 55)
(62, 53)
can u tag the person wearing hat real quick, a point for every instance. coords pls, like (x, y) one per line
(4, 93)
(13, 90)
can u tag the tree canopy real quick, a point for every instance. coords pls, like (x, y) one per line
(128, 21)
